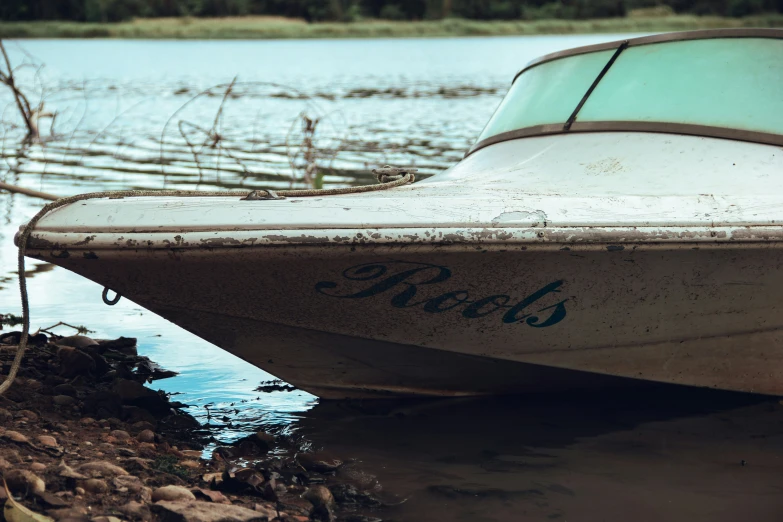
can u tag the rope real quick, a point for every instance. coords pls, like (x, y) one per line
(408, 177)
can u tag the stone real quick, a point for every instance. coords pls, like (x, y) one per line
(172, 494)
(38, 467)
(65, 389)
(24, 482)
(137, 464)
(87, 421)
(74, 362)
(77, 341)
(4, 464)
(266, 437)
(210, 495)
(64, 400)
(47, 440)
(319, 496)
(146, 436)
(64, 470)
(5, 415)
(79, 491)
(106, 519)
(121, 435)
(29, 415)
(71, 514)
(190, 464)
(131, 390)
(129, 482)
(95, 486)
(135, 510)
(15, 436)
(195, 511)
(101, 469)
(144, 425)
(193, 454)
(319, 462)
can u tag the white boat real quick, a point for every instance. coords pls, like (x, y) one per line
(619, 219)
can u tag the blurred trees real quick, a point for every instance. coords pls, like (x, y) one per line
(351, 10)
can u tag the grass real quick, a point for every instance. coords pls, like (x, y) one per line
(265, 27)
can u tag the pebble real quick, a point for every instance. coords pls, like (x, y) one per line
(68, 472)
(129, 482)
(23, 481)
(95, 486)
(38, 467)
(196, 511)
(87, 421)
(146, 436)
(135, 510)
(101, 468)
(47, 440)
(79, 491)
(172, 494)
(15, 436)
(64, 400)
(319, 496)
(120, 434)
(65, 389)
(190, 464)
(194, 454)
(4, 464)
(29, 415)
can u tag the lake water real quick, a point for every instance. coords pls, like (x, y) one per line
(146, 114)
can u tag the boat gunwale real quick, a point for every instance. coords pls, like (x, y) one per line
(464, 238)
(681, 129)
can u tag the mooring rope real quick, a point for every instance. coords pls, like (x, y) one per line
(388, 177)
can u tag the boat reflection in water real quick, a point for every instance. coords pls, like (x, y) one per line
(662, 453)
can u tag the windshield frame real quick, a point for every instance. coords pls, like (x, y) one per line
(640, 126)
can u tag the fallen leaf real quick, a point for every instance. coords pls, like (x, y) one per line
(15, 512)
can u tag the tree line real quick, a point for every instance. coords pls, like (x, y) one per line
(354, 10)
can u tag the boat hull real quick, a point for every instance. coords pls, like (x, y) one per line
(465, 319)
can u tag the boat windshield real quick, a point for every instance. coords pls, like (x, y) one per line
(729, 87)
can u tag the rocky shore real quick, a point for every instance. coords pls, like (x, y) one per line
(82, 438)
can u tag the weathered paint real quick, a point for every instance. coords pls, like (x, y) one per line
(614, 254)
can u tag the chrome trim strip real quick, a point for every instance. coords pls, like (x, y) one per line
(686, 129)
(701, 34)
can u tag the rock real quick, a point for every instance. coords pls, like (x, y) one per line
(126, 452)
(210, 495)
(172, 494)
(195, 511)
(106, 519)
(137, 464)
(131, 390)
(87, 421)
(95, 486)
(74, 362)
(4, 464)
(15, 436)
(135, 415)
(64, 400)
(319, 462)
(120, 435)
(29, 415)
(47, 440)
(24, 482)
(79, 490)
(135, 510)
(266, 437)
(190, 464)
(64, 470)
(5, 415)
(193, 454)
(65, 389)
(129, 482)
(77, 341)
(319, 496)
(126, 345)
(38, 467)
(75, 513)
(146, 436)
(101, 469)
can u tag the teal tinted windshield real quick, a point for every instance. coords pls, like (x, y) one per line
(730, 83)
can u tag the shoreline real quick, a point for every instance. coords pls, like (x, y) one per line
(82, 437)
(275, 28)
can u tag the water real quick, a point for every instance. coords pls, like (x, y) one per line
(144, 114)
